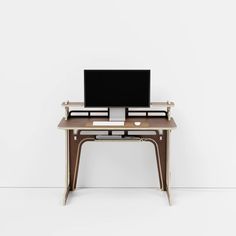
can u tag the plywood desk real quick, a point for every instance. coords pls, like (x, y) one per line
(155, 127)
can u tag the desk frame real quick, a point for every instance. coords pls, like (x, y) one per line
(75, 140)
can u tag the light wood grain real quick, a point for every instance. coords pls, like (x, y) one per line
(153, 104)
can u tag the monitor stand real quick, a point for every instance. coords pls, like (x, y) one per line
(116, 117)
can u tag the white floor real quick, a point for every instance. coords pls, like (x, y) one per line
(100, 211)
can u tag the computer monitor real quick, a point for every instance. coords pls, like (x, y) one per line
(116, 88)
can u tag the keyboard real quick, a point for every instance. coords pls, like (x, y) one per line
(108, 123)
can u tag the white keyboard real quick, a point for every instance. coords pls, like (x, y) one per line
(108, 123)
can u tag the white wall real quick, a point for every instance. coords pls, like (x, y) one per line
(190, 48)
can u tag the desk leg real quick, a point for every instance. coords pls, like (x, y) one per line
(81, 140)
(158, 159)
(162, 147)
(159, 165)
(67, 171)
(168, 167)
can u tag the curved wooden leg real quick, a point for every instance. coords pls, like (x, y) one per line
(77, 161)
(67, 174)
(163, 156)
(158, 160)
(168, 167)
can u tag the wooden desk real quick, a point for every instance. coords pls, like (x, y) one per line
(153, 128)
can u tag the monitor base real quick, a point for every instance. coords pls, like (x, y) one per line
(117, 114)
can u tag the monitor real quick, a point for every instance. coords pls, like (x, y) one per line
(116, 88)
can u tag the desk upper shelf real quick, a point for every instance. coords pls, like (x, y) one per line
(152, 105)
(146, 124)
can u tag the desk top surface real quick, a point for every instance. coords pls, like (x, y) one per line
(146, 124)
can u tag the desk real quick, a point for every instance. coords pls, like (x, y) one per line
(156, 125)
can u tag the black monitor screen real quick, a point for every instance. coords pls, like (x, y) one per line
(117, 88)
